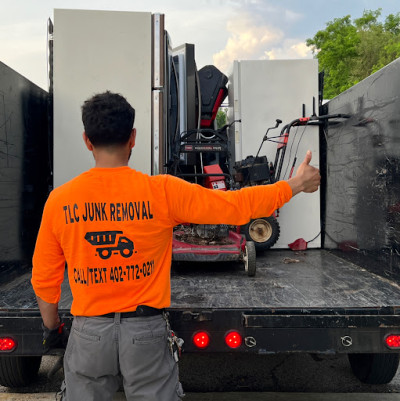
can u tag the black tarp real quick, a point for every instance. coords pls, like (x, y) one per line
(25, 177)
(362, 214)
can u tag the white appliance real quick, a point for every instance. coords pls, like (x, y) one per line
(259, 93)
(95, 51)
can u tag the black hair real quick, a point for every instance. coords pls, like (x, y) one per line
(108, 119)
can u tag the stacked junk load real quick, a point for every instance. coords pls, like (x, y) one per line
(202, 155)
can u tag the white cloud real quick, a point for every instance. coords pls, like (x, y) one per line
(205, 29)
(292, 17)
(252, 38)
(25, 49)
(247, 41)
(289, 49)
(222, 30)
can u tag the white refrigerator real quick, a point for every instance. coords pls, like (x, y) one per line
(261, 91)
(123, 52)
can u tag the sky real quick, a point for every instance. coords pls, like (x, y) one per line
(221, 30)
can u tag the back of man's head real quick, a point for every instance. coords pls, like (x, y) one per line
(108, 119)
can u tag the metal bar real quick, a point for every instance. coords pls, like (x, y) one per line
(158, 87)
(202, 175)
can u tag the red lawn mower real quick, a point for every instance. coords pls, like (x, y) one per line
(202, 156)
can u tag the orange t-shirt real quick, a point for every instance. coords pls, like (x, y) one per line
(113, 228)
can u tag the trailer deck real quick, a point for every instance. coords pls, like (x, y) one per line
(339, 306)
(284, 280)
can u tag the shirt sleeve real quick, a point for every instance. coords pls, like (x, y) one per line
(192, 203)
(48, 260)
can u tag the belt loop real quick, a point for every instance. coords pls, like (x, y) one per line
(117, 318)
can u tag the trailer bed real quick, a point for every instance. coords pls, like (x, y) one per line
(285, 279)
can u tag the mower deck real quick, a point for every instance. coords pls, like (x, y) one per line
(187, 248)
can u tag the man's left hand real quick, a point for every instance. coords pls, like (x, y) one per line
(55, 338)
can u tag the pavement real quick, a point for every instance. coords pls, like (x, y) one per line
(236, 396)
(291, 377)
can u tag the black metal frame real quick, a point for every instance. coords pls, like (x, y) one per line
(266, 331)
(275, 331)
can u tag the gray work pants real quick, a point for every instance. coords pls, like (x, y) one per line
(103, 350)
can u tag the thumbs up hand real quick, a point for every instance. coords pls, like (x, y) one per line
(308, 157)
(307, 178)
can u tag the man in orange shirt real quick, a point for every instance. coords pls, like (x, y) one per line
(113, 226)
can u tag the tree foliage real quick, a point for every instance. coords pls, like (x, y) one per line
(349, 51)
(221, 117)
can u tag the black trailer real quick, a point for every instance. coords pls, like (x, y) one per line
(344, 298)
(313, 301)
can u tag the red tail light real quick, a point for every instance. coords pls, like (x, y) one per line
(7, 344)
(201, 339)
(393, 341)
(233, 339)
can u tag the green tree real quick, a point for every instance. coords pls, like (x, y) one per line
(349, 51)
(221, 117)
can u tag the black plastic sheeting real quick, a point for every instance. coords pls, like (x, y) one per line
(362, 214)
(25, 177)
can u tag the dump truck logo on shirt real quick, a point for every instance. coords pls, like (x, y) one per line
(110, 242)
